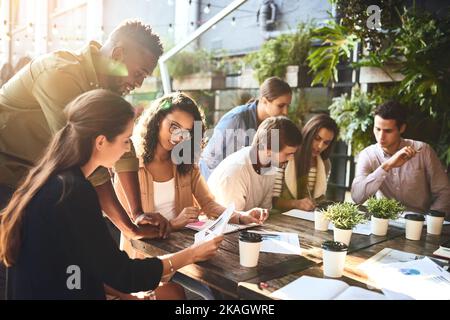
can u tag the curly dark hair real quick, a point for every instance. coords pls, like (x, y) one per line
(146, 133)
(140, 33)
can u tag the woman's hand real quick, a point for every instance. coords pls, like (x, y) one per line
(188, 215)
(206, 250)
(255, 215)
(305, 204)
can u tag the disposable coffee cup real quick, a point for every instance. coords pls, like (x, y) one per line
(414, 225)
(435, 220)
(249, 246)
(334, 254)
(320, 222)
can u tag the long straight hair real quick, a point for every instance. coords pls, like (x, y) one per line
(309, 132)
(95, 113)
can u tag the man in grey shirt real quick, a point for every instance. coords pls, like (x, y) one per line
(406, 170)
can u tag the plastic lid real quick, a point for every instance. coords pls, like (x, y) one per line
(334, 246)
(415, 217)
(250, 237)
(438, 214)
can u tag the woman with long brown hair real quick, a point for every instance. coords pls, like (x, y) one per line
(305, 177)
(53, 237)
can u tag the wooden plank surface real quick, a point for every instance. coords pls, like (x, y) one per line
(224, 272)
(352, 275)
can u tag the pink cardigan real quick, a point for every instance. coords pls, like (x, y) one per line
(191, 190)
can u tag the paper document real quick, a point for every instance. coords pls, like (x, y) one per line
(231, 227)
(310, 288)
(279, 242)
(309, 216)
(362, 228)
(217, 227)
(400, 222)
(300, 214)
(418, 279)
(388, 255)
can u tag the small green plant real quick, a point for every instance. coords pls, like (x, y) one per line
(384, 208)
(344, 215)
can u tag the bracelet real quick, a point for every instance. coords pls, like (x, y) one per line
(239, 218)
(171, 266)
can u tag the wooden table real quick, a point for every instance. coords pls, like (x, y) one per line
(352, 275)
(224, 272)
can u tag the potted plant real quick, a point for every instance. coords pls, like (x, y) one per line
(381, 211)
(284, 56)
(354, 117)
(345, 216)
(197, 70)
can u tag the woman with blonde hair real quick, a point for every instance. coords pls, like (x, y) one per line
(53, 237)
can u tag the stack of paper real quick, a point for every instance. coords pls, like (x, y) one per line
(415, 277)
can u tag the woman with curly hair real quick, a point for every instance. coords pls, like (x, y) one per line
(168, 140)
(170, 181)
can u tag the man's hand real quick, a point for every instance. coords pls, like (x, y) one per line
(188, 215)
(155, 220)
(399, 158)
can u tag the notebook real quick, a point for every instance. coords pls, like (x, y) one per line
(310, 288)
(444, 250)
(230, 228)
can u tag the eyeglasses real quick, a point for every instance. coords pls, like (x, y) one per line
(178, 132)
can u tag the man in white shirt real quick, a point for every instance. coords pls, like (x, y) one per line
(247, 176)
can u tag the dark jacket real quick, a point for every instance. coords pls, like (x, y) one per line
(60, 238)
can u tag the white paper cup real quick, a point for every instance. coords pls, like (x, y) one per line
(334, 254)
(320, 222)
(249, 246)
(341, 235)
(379, 227)
(414, 225)
(435, 220)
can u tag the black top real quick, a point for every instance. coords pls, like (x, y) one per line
(61, 237)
